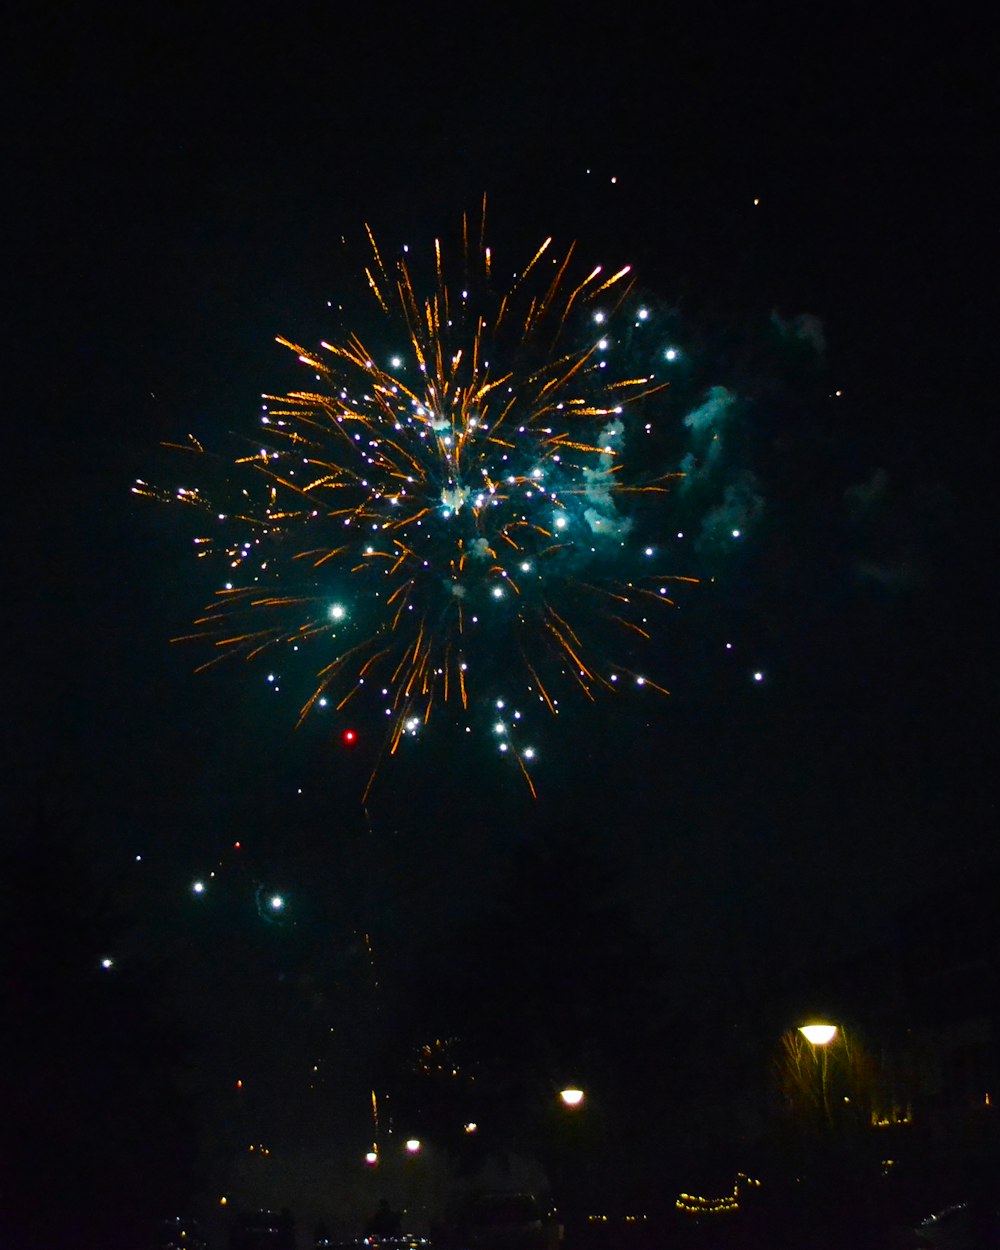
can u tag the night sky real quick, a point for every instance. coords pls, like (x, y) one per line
(807, 200)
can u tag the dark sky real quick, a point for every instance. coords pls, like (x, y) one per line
(181, 184)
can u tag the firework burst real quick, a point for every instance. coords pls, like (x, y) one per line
(448, 521)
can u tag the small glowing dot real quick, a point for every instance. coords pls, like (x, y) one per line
(737, 533)
(497, 592)
(106, 963)
(199, 887)
(277, 902)
(758, 676)
(337, 612)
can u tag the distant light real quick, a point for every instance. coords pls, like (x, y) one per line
(671, 353)
(758, 676)
(649, 551)
(107, 962)
(413, 1146)
(223, 1200)
(819, 1034)
(349, 737)
(277, 902)
(571, 1096)
(199, 887)
(371, 1158)
(472, 1126)
(497, 592)
(337, 612)
(736, 533)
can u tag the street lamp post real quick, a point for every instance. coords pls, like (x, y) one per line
(819, 1036)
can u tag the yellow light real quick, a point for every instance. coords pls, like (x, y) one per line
(819, 1034)
(571, 1096)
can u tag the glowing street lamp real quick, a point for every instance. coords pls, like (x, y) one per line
(571, 1096)
(818, 1034)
